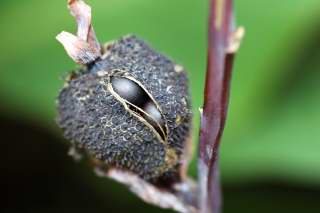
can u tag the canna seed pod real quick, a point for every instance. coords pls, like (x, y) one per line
(129, 109)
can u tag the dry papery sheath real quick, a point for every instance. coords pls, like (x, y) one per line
(128, 109)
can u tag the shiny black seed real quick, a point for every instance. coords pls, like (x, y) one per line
(129, 90)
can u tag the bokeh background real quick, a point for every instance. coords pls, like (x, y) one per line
(270, 160)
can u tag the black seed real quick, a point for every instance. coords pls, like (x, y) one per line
(129, 90)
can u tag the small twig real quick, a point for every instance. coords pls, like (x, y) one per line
(223, 42)
(179, 198)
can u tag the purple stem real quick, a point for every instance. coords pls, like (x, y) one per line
(216, 97)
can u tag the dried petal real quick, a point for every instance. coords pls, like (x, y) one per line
(82, 12)
(80, 51)
(83, 48)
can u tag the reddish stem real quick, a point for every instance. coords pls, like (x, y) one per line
(216, 96)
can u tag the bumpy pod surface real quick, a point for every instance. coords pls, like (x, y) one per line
(95, 118)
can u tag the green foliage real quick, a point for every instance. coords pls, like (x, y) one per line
(273, 123)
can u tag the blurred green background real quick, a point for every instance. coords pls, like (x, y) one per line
(270, 160)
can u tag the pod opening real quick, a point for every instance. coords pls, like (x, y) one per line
(140, 103)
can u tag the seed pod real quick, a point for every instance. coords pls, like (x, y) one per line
(129, 109)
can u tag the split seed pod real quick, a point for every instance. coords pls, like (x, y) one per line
(128, 107)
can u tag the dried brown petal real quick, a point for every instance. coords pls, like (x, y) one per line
(82, 12)
(83, 48)
(80, 51)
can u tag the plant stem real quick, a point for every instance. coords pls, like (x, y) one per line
(223, 42)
